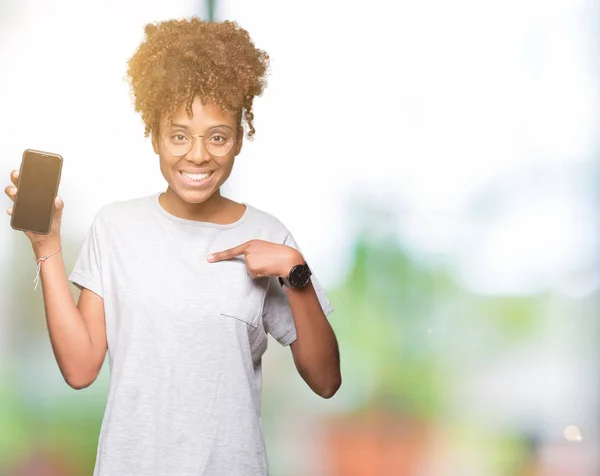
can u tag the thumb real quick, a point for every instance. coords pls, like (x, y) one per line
(58, 208)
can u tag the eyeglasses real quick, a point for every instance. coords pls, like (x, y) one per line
(217, 141)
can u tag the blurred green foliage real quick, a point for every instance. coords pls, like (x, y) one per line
(386, 308)
(67, 426)
(399, 319)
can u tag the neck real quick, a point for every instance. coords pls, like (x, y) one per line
(207, 211)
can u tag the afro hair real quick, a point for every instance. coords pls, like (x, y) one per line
(181, 59)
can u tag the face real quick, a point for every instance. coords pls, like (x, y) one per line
(198, 175)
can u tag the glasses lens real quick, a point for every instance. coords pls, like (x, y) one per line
(178, 142)
(218, 141)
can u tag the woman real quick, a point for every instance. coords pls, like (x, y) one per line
(182, 287)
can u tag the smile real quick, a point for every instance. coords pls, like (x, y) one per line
(195, 177)
(195, 180)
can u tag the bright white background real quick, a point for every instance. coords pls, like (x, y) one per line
(422, 105)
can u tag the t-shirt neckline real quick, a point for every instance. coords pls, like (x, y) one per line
(184, 221)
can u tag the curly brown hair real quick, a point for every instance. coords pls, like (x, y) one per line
(181, 59)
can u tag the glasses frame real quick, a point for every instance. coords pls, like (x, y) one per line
(194, 137)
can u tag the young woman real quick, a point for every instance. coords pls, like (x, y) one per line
(182, 287)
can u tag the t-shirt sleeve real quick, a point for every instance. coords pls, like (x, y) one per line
(277, 315)
(87, 272)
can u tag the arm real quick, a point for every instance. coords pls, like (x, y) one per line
(315, 350)
(77, 333)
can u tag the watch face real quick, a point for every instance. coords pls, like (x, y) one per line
(300, 275)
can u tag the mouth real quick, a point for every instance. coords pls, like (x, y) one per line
(195, 179)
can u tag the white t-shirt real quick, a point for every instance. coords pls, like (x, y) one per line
(185, 340)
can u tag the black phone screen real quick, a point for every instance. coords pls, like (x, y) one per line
(37, 188)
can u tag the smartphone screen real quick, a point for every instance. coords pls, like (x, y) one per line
(36, 190)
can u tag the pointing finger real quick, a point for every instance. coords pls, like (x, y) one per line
(228, 254)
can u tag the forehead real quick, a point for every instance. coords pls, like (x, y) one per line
(203, 116)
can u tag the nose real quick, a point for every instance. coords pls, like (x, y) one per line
(198, 153)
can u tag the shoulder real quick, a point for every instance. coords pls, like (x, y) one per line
(268, 222)
(118, 211)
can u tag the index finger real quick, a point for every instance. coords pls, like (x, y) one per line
(14, 177)
(230, 253)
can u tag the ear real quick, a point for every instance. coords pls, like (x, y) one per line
(239, 141)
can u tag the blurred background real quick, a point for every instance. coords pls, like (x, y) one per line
(451, 155)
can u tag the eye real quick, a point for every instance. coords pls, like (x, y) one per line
(219, 139)
(179, 138)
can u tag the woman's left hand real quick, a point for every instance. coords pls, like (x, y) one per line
(263, 258)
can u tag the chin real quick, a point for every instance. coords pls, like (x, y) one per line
(193, 196)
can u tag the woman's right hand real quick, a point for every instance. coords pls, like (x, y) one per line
(42, 244)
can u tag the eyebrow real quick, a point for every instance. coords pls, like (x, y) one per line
(183, 126)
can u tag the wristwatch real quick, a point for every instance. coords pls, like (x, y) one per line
(298, 278)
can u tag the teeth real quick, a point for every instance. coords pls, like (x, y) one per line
(195, 176)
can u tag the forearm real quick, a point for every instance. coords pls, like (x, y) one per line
(69, 336)
(316, 349)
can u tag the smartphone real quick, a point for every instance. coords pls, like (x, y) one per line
(37, 188)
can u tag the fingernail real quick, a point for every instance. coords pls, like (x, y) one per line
(58, 202)
(210, 258)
